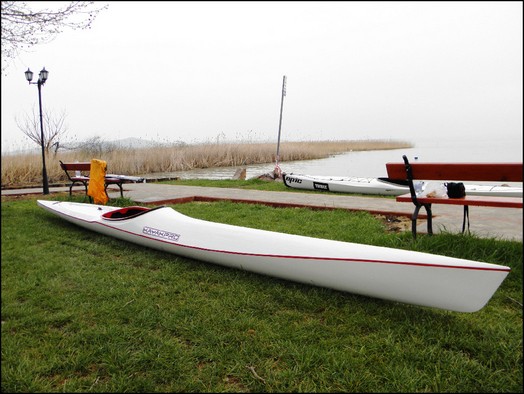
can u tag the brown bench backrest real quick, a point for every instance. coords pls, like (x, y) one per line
(84, 166)
(492, 172)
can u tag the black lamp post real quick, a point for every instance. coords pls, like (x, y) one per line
(42, 77)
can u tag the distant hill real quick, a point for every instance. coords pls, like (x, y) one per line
(97, 143)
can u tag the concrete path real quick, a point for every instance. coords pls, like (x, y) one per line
(504, 223)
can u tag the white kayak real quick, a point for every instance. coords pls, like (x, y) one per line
(493, 190)
(383, 186)
(345, 184)
(393, 274)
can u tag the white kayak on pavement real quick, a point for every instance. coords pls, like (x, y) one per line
(392, 274)
(383, 186)
(345, 184)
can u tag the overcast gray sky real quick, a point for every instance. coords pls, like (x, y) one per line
(198, 71)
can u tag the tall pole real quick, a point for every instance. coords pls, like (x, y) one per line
(44, 170)
(42, 77)
(277, 171)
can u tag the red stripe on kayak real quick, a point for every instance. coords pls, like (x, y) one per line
(502, 269)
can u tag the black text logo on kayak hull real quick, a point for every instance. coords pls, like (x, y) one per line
(321, 186)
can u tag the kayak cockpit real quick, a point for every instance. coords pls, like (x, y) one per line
(127, 213)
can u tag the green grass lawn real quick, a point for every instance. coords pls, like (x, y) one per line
(83, 312)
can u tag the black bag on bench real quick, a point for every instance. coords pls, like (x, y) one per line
(456, 190)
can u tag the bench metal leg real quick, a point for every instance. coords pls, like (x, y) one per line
(430, 218)
(466, 216)
(414, 221)
(414, 218)
(119, 186)
(73, 184)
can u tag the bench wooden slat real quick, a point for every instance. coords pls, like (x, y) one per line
(501, 202)
(491, 172)
(83, 166)
(113, 180)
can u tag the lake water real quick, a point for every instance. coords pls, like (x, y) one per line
(372, 163)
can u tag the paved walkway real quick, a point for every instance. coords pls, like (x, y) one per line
(505, 223)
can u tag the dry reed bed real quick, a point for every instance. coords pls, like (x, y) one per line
(26, 169)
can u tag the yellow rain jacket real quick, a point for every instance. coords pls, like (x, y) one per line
(97, 176)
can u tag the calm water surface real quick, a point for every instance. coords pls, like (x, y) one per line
(372, 163)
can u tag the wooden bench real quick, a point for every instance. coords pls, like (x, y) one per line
(458, 172)
(78, 173)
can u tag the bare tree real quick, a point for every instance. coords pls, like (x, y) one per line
(54, 128)
(23, 27)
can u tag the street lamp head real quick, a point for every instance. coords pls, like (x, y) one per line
(29, 75)
(43, 75)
